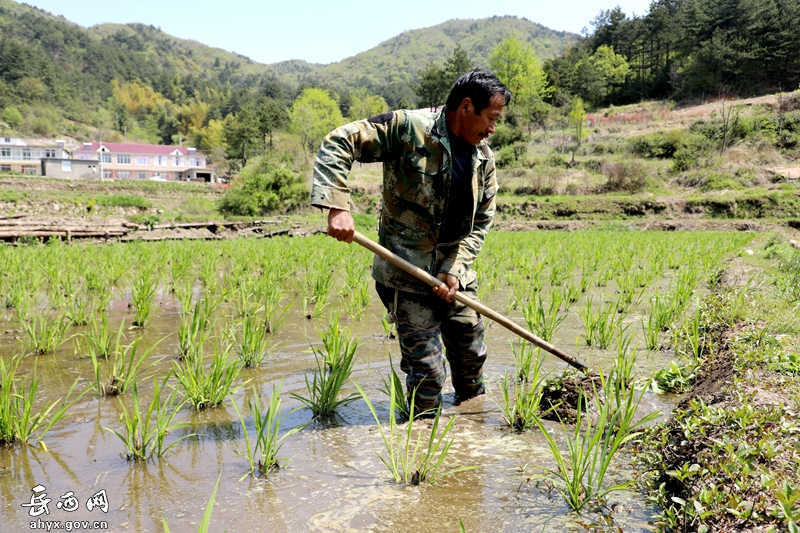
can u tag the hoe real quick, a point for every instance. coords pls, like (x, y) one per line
(469, 302)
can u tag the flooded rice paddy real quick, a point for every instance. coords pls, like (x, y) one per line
(333, 481)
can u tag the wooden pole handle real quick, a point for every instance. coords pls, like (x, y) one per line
(420, 274)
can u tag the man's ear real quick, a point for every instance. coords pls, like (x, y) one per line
(466, 105)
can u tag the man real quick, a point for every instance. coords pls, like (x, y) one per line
(439, 186)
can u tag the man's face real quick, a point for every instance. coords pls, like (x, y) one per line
(479, 126)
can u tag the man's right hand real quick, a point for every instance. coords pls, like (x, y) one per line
(341, 225)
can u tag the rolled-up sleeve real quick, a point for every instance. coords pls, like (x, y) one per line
(366, 141)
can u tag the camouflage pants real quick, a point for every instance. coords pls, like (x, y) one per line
(425, 322)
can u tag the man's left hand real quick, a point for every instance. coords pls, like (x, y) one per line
(447, 291)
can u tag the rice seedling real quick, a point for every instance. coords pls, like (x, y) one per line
(205, 522)
(79, 309)
(334, 366)
(262, 454)
(389, 327)
(18, 423)
(251, 343)
(209, 272)
(662, 312)
(630, 294)
(193, 330)
(320, 282)
(393, 385)
(115, 377)
(272, 297)
(358, 300)
(143, 294)
(244, 299)
(524, 358)
(184, 292)
(591, 446)
(45, 334)
(144, 434)
(542, 321)
(203, 387)
(520, 399)
(101, 341)
(19, 297)
(407, 458)
(569, 294)
(560, 271)
(692, 335)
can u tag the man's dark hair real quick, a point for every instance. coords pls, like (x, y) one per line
(479, 86)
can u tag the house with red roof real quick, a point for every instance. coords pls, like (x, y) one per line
(126, 161)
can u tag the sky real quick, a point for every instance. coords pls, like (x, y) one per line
(318, 31)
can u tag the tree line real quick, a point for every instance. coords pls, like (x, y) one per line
(683, 49)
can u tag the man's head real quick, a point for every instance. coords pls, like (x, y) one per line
(475, 104)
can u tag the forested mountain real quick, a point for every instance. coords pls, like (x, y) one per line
(63, 70)
(393, 64)
(690, 48)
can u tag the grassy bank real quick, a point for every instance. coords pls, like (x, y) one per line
(728, 459)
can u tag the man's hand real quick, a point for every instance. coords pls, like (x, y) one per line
(341, 225)
(447, 291)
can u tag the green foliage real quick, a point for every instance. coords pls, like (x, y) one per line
(717, 47)
(267, 184)
(314, 114)
(12, 116)
(364, 104)
(515, 63)
(599, 73)
(577, 121)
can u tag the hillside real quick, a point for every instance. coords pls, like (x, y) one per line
(46, 59)
(400, 58)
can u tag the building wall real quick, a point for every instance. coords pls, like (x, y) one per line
(70, 169)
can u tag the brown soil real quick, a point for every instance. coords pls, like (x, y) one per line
(712, 380)
(560, 396)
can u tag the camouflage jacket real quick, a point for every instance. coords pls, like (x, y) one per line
(415, 152)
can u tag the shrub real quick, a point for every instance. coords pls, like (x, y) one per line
(664, 145)
(629, 176)
(505, 135)
(266, 185)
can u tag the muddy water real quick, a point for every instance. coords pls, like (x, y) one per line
(334, 481)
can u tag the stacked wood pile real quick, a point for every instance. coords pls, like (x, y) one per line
(15, 227)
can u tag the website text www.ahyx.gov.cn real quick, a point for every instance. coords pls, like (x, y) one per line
(69, 525)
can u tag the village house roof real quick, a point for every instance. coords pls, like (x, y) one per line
(130, 148)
